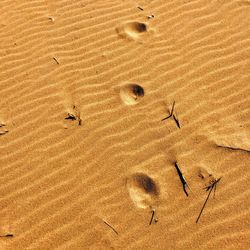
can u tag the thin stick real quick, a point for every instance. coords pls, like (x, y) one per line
(177, 121)
(7, 235)
(172, 110)
(232, 148)
(215, 189)
(152, 217)
(171, 113)
(56, 60)
(110, 226)
(204, 205)
(140, 8)
(211, 189)
(182, 178)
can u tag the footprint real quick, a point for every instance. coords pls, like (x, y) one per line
(142, 190)
(132, 30)
(131, 94)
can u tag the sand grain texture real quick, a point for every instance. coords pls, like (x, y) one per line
(114, 73)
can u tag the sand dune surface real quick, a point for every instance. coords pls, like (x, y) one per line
(117, 119)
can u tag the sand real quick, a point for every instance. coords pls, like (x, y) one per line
(86, 157)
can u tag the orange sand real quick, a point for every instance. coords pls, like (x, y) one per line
(114, 70)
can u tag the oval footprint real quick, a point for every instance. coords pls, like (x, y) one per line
(142, 190)
(132, 30)
(131, 94)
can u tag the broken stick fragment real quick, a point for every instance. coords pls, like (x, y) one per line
(182, 178)
(152, 217)
(173, 115)
(56, 60)
(105, 222)
(70, 117)
(177, 121)
(7, 235)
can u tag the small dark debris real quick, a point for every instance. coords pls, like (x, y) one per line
(71, 117)
(150, 17)
(4, 132)
(7, 235)
(201, 175)
(74, 116)
(56, 60)
(105, 222)
(152, 216)
(51, 18)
